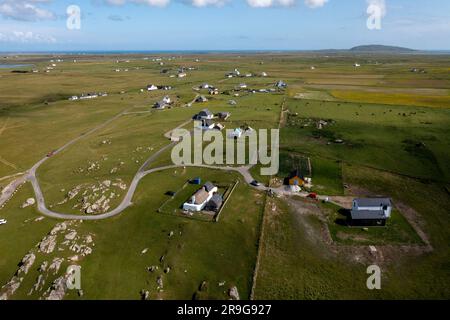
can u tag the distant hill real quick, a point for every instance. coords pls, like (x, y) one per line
(380, 48)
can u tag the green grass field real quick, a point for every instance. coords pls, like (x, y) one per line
(386, 133)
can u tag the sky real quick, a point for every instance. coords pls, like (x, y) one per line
(131, 25)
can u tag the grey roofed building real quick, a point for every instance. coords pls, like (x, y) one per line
(371, 202)
(205, 114)
(201, 99)
(209, 186)
(281, 84)
(223, 115)
(214, 203)
(368, 214)
(371, 210)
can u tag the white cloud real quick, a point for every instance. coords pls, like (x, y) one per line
(205, 3)
(380, 4)
(315, 3)
(25, 10)
(270, 3)
(25, 37)
(153, 3)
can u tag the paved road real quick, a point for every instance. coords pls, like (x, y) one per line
(141, 173)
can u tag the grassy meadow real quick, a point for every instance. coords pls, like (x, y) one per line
(384, 131)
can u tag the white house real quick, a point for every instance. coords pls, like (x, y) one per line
(357, 65)
(182, 75)
(205, 114)
(152, 87)
(242, 86)
(199, 199)
(167, 100)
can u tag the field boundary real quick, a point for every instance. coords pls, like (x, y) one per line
(216, 218)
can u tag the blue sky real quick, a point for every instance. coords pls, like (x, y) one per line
(40, 25)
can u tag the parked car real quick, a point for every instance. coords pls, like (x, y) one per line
(51, 153)
(255, 183)
(3, 221)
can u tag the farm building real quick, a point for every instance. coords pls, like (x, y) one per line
(201, 99)
(215, 203)
(295, 179)
(204, 114)
(223, 115)
(163, 103)
(371, 211)
(199, 199)
(213, 91)
(281, 84)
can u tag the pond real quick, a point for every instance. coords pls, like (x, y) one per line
(12, 66)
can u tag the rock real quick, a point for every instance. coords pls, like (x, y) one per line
(80, 293)
(55, 265)
(43, 266)
(171, 234)
(39, 283)
(58, 289)
(39, 219)
(10, 288)
(74, 258)
(144, 251)
(167, 270)
(28, 202)
(152, 268)
(160, 283)
(26, 263)
(47, 245)
(59, 227)
(88, 239)
(71, 235)
(233, 293)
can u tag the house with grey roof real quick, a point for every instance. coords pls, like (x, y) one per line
(371, 211)
(214, 203)
(200, 198)
(205, 114)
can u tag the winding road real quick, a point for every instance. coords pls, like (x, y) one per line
(141, 173)
(30, 176)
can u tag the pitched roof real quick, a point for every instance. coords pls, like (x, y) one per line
(209, 186)
(205, 112)
(208, 122)
(368, 214)
(216, 200)
(373, 202)
(200, 196)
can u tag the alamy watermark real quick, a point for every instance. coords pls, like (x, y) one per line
(73, 21)
(375, 11)
(190, 150)
(374, 280)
